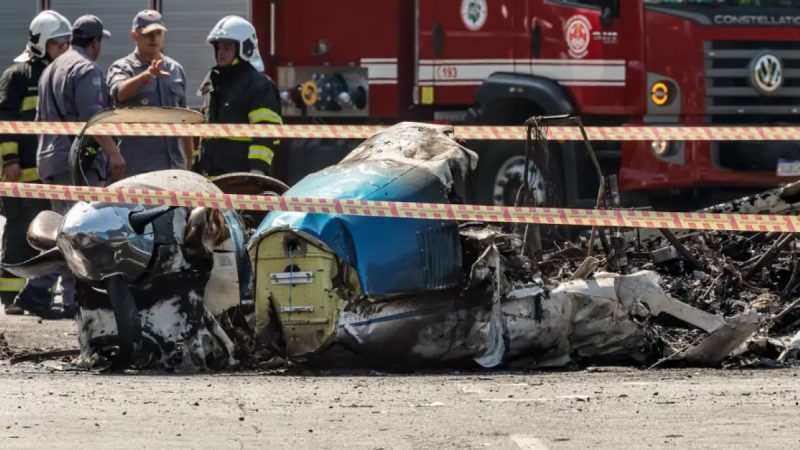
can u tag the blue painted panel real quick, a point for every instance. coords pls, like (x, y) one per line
(392, 256)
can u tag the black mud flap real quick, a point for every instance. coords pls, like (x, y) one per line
(126, 314)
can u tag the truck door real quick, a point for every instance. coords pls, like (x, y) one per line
(590, 48)
(462, 42)
(586, 46)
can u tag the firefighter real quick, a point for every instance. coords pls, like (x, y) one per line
(146, 77)
(237, 91)
(48, 39)
(73, 88)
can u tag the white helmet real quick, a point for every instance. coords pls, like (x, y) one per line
(234, 28)
(45, 26)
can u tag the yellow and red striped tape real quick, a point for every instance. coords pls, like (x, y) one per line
(624, 133)
(585, 217)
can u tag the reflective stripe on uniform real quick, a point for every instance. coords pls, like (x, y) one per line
(239, 139)
(29, 175)
(9, 148)
(11, 284)
(264, 115)
(261, 153)
(25, 176)
(28, 103)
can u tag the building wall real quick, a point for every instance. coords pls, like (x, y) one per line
(188, 23)
(14, 21)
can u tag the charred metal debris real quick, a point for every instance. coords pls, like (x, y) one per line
(476, 293)
(751, 279)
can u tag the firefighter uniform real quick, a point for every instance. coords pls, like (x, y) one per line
(239, 94)
(18, 98)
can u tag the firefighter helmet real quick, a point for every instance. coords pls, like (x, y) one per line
(234, 28)
(45, 26)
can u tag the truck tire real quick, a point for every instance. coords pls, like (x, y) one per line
(500, 174)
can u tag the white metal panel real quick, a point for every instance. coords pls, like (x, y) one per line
(117, 16)
(189, 22)
(14, 21)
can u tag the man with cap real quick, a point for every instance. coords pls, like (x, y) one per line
(73, 88)
(48, 38)
(146, 77)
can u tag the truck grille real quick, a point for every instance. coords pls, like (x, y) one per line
(729, 88)
(731, 99)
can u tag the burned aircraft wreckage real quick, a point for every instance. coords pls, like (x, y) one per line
(158, 286)
(334, 289)
(352, 291)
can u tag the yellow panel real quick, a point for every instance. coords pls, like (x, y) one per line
(315, 306)
(427, 95)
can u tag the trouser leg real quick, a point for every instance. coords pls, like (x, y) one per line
(19, 214)
(95, 177)
(67, 283)
(67, 278)
(10, 284)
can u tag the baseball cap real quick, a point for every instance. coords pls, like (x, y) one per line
(89, 26)
(147, 21)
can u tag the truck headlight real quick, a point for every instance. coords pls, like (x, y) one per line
(669, 151)
(660, 93)
(660, 148)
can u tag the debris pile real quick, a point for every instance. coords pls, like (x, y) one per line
(722, 273)
(472, 293)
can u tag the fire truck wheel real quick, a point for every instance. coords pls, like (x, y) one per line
(501, 172)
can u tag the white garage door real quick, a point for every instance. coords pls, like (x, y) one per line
(14, 21)
(188, 22)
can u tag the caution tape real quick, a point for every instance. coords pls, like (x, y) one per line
(624, 133)
(530, 215)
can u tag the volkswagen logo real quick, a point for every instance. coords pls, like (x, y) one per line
(767, 73)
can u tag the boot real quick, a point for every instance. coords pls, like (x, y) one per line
(13, 310)
(37, 302)
(70, 312)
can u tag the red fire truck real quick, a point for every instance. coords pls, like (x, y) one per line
(614, 62)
